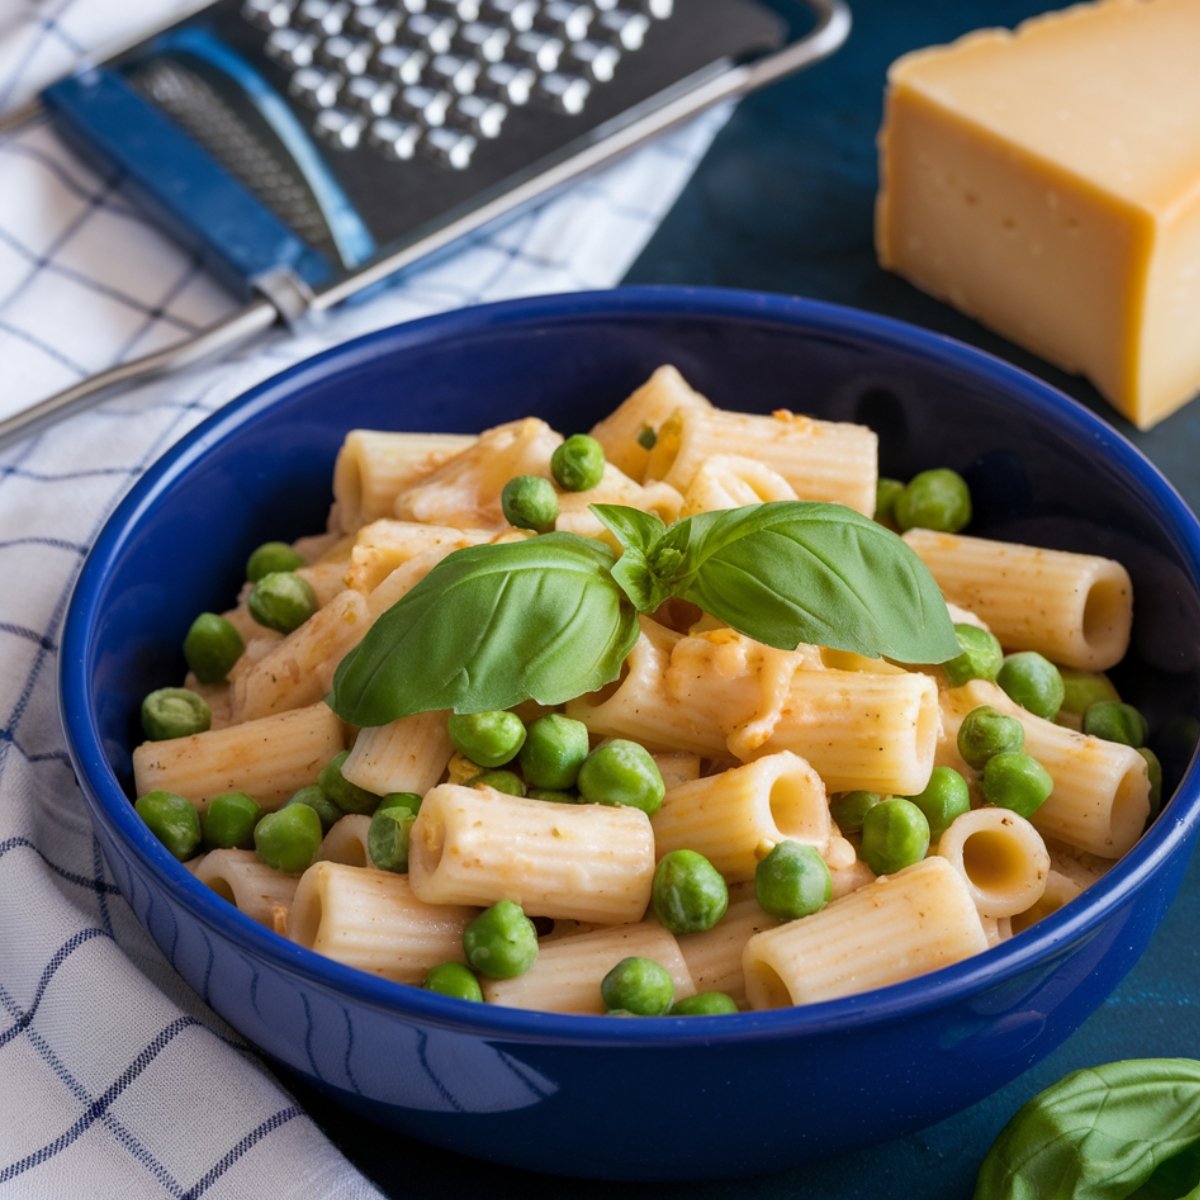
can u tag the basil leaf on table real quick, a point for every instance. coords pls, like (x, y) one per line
(489, 627)
(1127, 1130)
(800, 571)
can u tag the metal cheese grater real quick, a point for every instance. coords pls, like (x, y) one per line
(310, 149)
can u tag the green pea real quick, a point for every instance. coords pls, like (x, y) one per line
(1015, 780)
(288, 838)
(314, 796)
(981, 656)
(503, 781)
(792, 881)
(986, 731)
(453, 979)
(647, 438)
(578, 464)
(886, 493)
(1116, 722)
(173, 820)
(230, 820)
(937, 499)
(895, 835)
(388, 838)
(638, 985)
(490, 739)
(945, 798)
(282, 601)
(689, 894)
(271, 557)
(849, 808)
(553, 752)
(703, 1004)
(211, 647)
(501, 942)
(553, 795)
(1082, 689)
(408, 800)
(349, 797)
(1034, 682)
(622, 772)
(1154, 773)
(530, 502)
(173, 713)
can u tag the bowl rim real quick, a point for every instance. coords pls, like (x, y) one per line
(1000, 964)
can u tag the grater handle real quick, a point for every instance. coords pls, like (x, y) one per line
(248, 322)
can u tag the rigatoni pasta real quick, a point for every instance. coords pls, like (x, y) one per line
(372, 920)
(895, 928)
(270, 757)
(821, 460)
(1077, 609)
(581, 862)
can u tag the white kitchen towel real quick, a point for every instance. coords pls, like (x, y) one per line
(115, 1080)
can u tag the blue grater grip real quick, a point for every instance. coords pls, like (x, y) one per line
(192, 196)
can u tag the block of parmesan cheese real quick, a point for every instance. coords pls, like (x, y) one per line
(1047, 182)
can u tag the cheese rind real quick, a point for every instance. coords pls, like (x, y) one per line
(1047, 182)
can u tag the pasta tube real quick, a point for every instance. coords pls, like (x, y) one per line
(588, 862)
(714, 957)
(1076, 609)
(406, 755)
(290, 674)
(465, 491)
(899, 927)
(623, 431)
(384, 545)
(372, 920)
(731, 480)
(728, 817)
(243, 879)
(374, 467)
(1002, 858)
(270, 758)
(821, 460)
(346, 842)
(566, 977)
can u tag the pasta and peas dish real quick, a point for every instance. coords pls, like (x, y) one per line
(693, 713)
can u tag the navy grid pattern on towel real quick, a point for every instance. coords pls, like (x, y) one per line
(107, 1058)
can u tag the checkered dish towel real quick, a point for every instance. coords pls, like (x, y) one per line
(105, 1055)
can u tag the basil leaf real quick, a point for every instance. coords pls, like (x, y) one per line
(794, 571)
(638, 533)
(634, 529)
(489, 627)
(1123, 1131)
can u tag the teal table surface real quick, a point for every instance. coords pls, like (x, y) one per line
(783, 202)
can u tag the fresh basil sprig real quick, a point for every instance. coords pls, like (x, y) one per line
(789, 572)
(489, 627)
(1127, 1129)
(553, 617)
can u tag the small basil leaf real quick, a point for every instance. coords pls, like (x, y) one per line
(638, 534)
(489, 627)
(635, 579)
(793, 571)
(1126, 1129)
(634, 529)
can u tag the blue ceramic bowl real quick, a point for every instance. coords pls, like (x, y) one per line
(664, 1097)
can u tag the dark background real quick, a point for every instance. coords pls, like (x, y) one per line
(784, 202)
